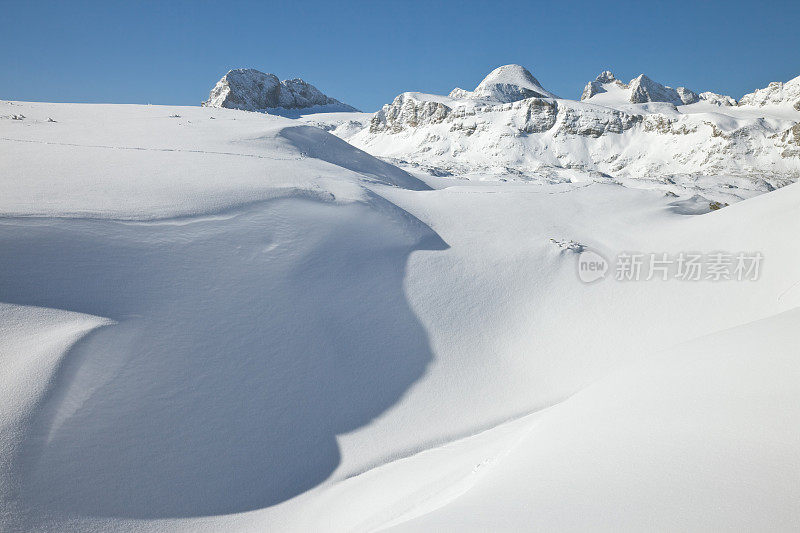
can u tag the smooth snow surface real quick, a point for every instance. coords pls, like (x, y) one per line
(105, 161)
(214, 319)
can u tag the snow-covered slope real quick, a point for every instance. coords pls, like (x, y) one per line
(696, 435)
(641, 134)
(251, 90)
(212, 320)
(162, 274)
(689, 441)
(105, 161)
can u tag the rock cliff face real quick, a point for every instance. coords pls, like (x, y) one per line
(531, 115)
(252, 90)
(632, 134)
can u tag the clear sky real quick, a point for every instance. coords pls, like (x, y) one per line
(365, 53)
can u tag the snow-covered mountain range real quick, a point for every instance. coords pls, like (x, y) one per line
(640, 134)
(642, 89)
(252, 90)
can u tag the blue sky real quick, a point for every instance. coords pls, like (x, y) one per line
(365, 53)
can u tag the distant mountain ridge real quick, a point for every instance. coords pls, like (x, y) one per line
(776, 93)
(252, 90)
(640, 134)
(642, 90)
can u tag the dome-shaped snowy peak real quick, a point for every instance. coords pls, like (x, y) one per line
(508, 83)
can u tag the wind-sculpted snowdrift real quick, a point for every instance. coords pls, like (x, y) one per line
(251, 290)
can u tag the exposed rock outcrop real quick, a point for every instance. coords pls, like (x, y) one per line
(717, 99)
(643, 90)
(776, 93)
(251, 90)
(600, 85)
(640, 90)
(407, 111)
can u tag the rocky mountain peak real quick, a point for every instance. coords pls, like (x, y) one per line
(599, 85)
(252, 90)
(644, 90)
(606, 77)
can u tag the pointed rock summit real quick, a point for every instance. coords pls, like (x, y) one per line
(606, 77)
(251, 90)
(508, 83)
(640, 90)
(600, 85)
(643, 90)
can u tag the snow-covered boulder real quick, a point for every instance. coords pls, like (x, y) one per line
(505, 84)
(776, 93)
(252, 90)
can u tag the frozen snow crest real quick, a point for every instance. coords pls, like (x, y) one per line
(591, 266)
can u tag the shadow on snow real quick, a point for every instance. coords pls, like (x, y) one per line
(243, 347)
